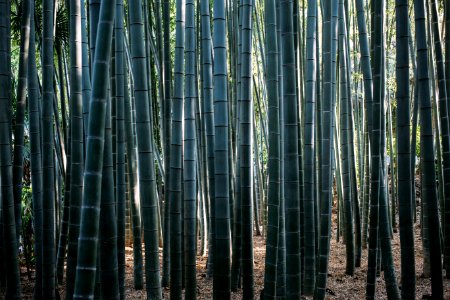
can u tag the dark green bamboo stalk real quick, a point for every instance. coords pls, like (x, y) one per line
(291, 175)
(366, 190)
(94, 14)
(379, 226)
(90, 212)
(63, 88)
(35, 149)
(133, 192)
(176, 160)
(13, 289)
(428, 175)
(221, 222)
(368, 95)
(48, 233)
(64, 232)
(145, 152)
(345, 144)
(77, 145)
(236, 225)
(208, 112)
(108, 274)
(404, 174)
(20, 116)
(447, 84)
(86, 83)
(326, 156)
(236, 210)
(167, 69)
(281, 261)
(375, 156)
(309, 150)
(120, 143)
(274, 193)
(354, 150)
(245, 152)
(190, 157)
(65, 220)
(444, 124)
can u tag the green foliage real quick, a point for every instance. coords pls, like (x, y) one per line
(27, 226)
(27, 213)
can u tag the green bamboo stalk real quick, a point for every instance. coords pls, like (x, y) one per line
(176, 160)
(446, 29)
(375, 151)
(20, 116)
(120, 143)
(365, 202)
(77, 143)
(145, 152)
(379, 225)
(35, 149)
(63, 236)
(444, 124)
(13, 289)
(309, 150)
(291, 163)
(190, 156)
(107, 261)
(354, 151)
(94, 14)
(133, 191)
(63, 80)
(326, 156)
(48, 234)
(345, 144)
(167, 69)
(368, 98)
(274, 193)
(427, 153)
(86, 83)
(90, 212)
(208, 114)
(245, 152)
(221, 217)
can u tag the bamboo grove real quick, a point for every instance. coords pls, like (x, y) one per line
(186, 128)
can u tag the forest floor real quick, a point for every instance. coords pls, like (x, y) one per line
(340, 286)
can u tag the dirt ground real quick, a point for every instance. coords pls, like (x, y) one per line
(340, 286)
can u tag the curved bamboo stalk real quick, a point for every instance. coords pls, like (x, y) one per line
(90, 212)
